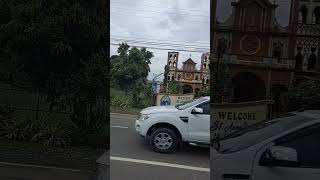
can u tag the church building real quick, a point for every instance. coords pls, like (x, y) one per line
(263, 57)
(192, 79)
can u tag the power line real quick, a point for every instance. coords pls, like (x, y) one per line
(166, 49)
(159, 43)
(140, 38)
(164, 45)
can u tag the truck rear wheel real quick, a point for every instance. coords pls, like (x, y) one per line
(164, 140)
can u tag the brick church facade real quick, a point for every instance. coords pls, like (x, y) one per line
(192, 79)
(262, 56)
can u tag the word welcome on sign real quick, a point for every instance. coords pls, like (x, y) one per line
(237, 116)
(228, 118)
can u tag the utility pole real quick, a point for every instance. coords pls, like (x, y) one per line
(154, 87)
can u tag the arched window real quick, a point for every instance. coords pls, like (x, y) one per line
(205, 66)
(277, 52)
(168, 78)
(196, 78)
(299, 59)
(174, 64)
(303, 15)
(312, 62)
(207, 81)
(316, 16)
(179, 76)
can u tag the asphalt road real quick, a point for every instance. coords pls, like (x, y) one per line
(131, 158)
(14, 172)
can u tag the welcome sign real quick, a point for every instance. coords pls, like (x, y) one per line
(173, 99)
(230, 117)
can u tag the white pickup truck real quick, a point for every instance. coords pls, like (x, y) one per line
(166, 127)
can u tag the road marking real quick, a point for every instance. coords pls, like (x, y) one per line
(41, 166)
(122, 127)
(119, 114)
(160, 164)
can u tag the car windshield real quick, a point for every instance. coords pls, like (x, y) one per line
(190, 103)
(257, 133)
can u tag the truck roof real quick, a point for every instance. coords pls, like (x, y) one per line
(309, 113)
(206, 97)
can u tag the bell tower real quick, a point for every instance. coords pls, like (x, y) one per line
(173, 60)
(305, 19)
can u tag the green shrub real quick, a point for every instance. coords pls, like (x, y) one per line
(304, 94)
(13, 128)
(121, 99)
(49, 129)
(54, 130)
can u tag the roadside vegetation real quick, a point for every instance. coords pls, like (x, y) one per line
(129, 86)
(54, 75)
(304, 94)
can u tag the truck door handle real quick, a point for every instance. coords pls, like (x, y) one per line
(184, 119)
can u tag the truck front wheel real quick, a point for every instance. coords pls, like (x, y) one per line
(164, 140)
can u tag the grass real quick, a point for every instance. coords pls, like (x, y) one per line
(83, 158)
(133, 111)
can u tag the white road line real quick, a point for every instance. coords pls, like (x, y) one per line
(160, 164)
(119, 114)
(40, 166)
(122, 127)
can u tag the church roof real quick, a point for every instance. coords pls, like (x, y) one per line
(189, 61)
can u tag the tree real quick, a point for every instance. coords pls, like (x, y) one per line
(204, 92)
(174, 87)
(53, 40)
(130, 67)
(305, 94)
(61, 47)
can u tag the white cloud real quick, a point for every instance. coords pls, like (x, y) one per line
(165, 20)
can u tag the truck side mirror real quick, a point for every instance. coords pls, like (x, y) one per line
(280, 156)
(197, 111)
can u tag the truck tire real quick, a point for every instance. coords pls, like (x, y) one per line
(164, 140)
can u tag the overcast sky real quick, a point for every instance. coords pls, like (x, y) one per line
(184, 23)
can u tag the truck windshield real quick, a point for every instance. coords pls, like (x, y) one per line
(257, 133)
(190, 103)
